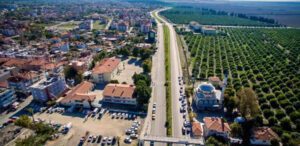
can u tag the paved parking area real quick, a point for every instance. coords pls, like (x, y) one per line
(128, 68)
(106, 126)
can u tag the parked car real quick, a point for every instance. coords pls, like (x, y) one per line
(109, 140)
(99, 139)
(90, 138)
(127, 140)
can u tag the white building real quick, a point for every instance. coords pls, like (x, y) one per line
(119, 94)
(48, 88)
(105, 70)
(146, 27)
(80, 96)
(207, 97)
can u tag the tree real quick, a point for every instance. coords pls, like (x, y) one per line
(24, 121)
(147, 64)
(275, 142)
(285, 123)
(248, 105)
(211, 141)
(236, 130)
(138, 77)
(30, 110)
(142, 92)
(71, 73)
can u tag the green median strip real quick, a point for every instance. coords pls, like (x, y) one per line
(168, 79)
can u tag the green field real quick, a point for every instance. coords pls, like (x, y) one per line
(168, 78)
(98, 26)
(183, 15)
(266, 60)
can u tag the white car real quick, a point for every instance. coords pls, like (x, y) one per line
(104, 140)
(127, 140)
(109, 141)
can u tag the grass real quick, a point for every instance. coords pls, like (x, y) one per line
(157, 18)
(69, 25)
(168, 79)
(98, 26)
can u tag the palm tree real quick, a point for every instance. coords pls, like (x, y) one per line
(30, 110)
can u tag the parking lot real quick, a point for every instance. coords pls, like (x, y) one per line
(111, 125)
(128, 68)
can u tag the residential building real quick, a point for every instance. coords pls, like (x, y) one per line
(7, 98)
(61, 46)
(122, 26)
(215, 81)
(208, 30)
(105, 70)
(146, 27)
(263, 136)
(87, 25)
(207, 97)
(197, 130)
(215, 126)
(151, 36)
(6, 72)
(119, 94)
(22, 81)
(80, 96)
(49, 88)
(80, 66)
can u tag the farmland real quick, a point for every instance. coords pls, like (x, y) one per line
(184, 15)
(266, 60)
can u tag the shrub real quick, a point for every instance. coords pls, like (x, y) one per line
(272, 121)
(268, 113)
(280, 114)
(294, 115)
(285, 123)
(274, 103)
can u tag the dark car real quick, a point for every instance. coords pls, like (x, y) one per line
(99, 138)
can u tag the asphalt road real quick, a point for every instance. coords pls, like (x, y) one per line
(177, 118)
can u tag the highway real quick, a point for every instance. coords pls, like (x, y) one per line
(157, 127)
(177, 118)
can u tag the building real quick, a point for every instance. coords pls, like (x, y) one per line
(80, 66)
(197, 130)
(151, 36)
(208, 30)
(146, 27)
(215, 126)
(87, 25)
(207, 97)
(195, 26)
(122, 26)
(105, 70)
(119, 94)
(79, 96)
(61, 46)
(6, 72)
(263, 136)
(22, 81)
(215, 81)
(49, 88)
(7, 98)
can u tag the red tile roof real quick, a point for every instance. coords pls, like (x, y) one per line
(106, 65)
(16, 62)
(214, 79)
(119, 90)
(265, 133)
(197, 129)
(214, 123)
(80, 93)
